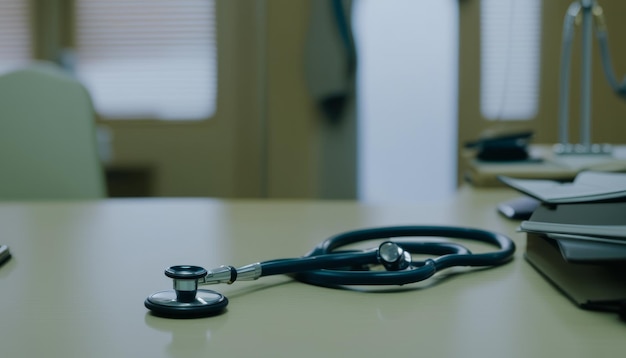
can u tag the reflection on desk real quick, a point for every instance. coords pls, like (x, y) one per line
(81, 270)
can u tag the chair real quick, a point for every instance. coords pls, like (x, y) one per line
(47, 137)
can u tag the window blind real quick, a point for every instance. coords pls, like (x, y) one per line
(510, 50)
(152, 59)
(15, 34)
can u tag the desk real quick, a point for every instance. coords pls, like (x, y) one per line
(544, 165)
(81, 270)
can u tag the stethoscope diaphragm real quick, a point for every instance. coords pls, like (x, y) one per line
(205, 303)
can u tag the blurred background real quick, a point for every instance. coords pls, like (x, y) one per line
(363, 99)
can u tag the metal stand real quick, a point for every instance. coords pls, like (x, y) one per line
(585, 10)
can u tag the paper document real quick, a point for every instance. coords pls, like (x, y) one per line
(586, 187)
(606, 231)
(601, 220)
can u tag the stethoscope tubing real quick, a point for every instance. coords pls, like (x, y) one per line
(323, 266)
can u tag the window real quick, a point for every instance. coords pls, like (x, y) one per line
(510, 49)
(140, 59)
(148, 58)
(15, 34)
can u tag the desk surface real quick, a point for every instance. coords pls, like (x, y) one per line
(80, 273)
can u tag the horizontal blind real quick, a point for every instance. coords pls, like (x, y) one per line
(510, 51)
(151, 59)
(15, 34)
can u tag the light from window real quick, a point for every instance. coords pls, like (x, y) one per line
(15, 36)
(151, 59)
(510, 49)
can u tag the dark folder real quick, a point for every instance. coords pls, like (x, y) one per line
(581, 249)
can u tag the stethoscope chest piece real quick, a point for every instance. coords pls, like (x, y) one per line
(206, 303)
(186, 300)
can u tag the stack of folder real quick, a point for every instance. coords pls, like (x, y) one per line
(576, 238)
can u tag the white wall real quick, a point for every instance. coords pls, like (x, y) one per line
(407, 99)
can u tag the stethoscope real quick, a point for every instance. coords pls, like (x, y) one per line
(326, 266)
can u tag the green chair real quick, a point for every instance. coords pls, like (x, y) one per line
(47, 137)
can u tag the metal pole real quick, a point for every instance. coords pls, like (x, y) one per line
(566, 54)
(585, 84)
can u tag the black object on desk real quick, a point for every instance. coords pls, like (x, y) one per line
(5, 254)
(520, 208)
(504, 147)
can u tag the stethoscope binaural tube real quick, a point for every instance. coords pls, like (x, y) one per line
(327, 266)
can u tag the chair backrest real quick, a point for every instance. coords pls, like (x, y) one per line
(47, 137)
